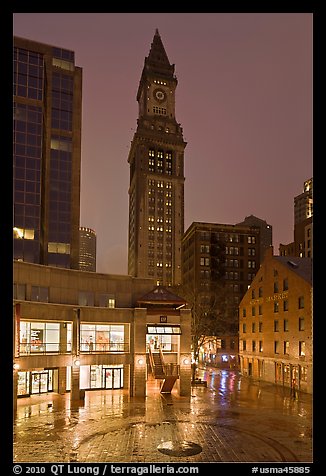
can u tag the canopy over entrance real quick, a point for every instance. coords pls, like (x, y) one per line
(161, 297)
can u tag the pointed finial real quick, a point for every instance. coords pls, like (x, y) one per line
(156, 32)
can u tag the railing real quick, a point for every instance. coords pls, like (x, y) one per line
(44, 348)
(97, 347)
(151, 359)
(172, 369)
(66, 348)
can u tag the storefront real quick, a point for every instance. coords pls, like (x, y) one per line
(164, 337)
(102, 338)
(101, 377)
(43, 337)
(36, 382)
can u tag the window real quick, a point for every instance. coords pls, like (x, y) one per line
(302, 348)
(286, 346)
(102, 338)
(276, 346)
(285, 305)
(253, 294)
(40, 293)
(276, 326)
(107, 300)
(285, 284)
(253, 327)
(260, 309)
(244, 328)
(40, 337)
(275, 287)
(302, 373)
(260, 327)
(286, 325)
(260, 292)
(244, 345)
(260, 346)
(276, 306)
(253, 346)
(301, 323)
(86, 298)
(253, 311)
(244, 312)
(20, 291)
(301, 302)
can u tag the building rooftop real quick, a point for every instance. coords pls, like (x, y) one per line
(301, 266)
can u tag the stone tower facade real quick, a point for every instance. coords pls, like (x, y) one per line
(156, 191)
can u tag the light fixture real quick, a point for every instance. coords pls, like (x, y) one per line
(140, 361)
(186, 361)
(77, 362)
(16, 366)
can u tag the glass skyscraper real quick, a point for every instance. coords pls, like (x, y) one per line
(47, 154)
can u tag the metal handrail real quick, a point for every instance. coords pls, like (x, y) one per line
(35, 348)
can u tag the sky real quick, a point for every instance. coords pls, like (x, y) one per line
(244, 101)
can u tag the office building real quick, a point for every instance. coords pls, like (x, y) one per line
(156, 191)
(302, 244)
(47, 154)
(87, 249)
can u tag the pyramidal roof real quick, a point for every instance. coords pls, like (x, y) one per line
(157, 61)
(157, 52)
(161, 295)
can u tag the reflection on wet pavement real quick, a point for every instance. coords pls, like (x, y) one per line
(232, 419)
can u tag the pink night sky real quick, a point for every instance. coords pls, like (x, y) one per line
(244, 100)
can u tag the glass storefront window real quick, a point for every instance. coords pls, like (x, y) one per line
(101, 376)
(102, 338)
(39, 337)
(23, 383)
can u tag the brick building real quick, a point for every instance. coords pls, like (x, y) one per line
(275, 328)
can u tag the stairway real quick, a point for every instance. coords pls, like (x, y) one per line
(158, 365)
(168, 373)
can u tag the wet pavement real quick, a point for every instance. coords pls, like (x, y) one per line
(233, 419)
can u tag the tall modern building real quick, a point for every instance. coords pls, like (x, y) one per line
(47, 154)
(156, 191)
(302, 246)
(87, 249)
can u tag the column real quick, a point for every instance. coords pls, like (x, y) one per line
(184, 357)
(75, 394)
(138, 356)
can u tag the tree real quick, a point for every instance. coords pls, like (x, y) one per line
(212, 306)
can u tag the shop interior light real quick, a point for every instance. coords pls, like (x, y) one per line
(140, 361)
(16, 366)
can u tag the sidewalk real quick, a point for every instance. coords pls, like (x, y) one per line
(232, 420)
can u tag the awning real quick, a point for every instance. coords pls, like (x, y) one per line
(159, 329)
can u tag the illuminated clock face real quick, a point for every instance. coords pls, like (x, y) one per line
(159, 94)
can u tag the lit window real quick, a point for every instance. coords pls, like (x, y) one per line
(23, 233)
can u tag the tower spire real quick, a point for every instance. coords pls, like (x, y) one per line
(157, 57)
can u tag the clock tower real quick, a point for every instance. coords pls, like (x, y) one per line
(156, 190)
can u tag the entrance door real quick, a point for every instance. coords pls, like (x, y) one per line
(250, 369)
(113, 378)
(41, 383)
